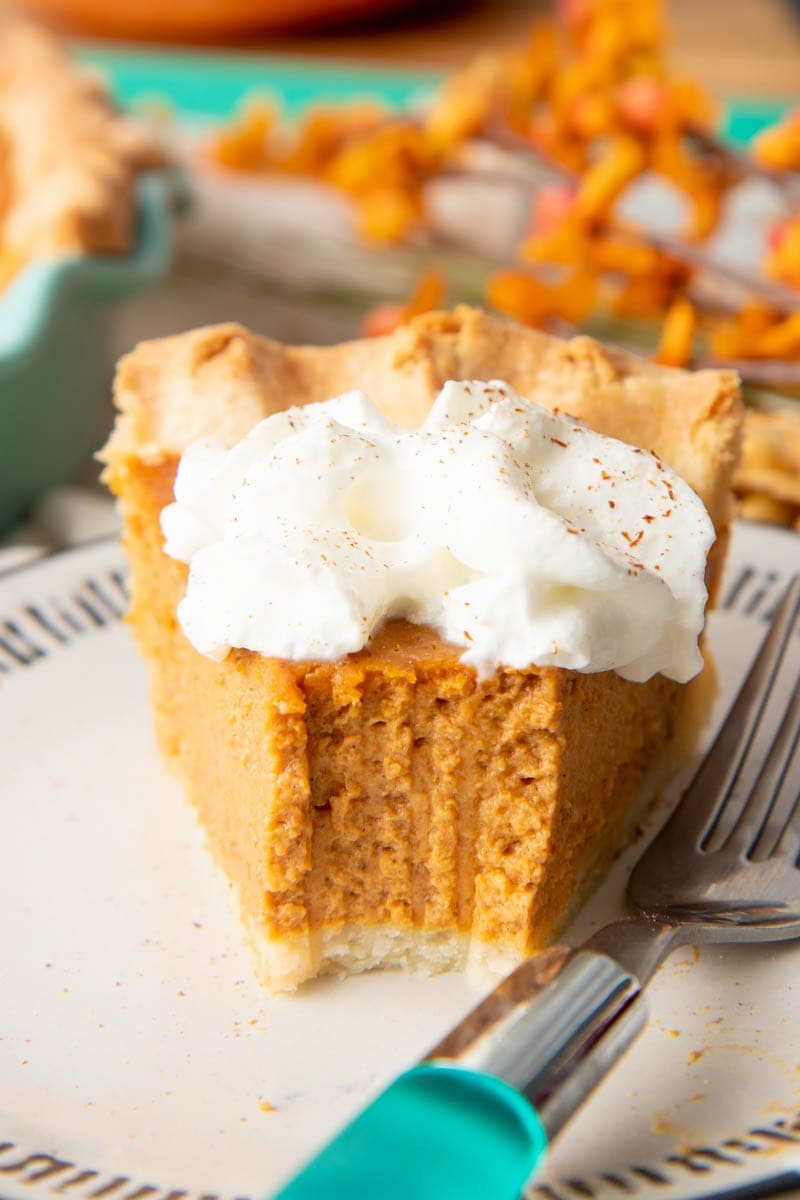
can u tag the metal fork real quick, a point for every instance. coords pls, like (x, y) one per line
(724, 868)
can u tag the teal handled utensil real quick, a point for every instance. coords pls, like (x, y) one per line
(438, 1130)
(472, 1121)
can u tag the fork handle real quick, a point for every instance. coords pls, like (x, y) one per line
(552, 1029)
(474, 1117)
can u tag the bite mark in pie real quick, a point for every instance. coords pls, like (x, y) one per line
(391, 807)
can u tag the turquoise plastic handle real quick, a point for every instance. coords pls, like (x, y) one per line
(438, 1132)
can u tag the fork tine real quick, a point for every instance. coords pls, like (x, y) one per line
(774, 794)
(705, 799)
(789, 844)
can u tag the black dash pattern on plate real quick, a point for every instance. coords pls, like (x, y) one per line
(39, 628)
(694, 1162)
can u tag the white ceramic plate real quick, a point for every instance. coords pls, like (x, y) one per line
(140, 1061)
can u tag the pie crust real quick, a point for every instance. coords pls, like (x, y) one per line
(68, 159)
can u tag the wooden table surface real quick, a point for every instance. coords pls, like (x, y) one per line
(743, 47)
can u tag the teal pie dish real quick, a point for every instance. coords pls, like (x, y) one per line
(56, 320)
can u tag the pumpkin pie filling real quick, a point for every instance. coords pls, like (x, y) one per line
(393, 806)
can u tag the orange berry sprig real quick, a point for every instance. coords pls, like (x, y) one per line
(592, 104)
(384, 163)
(427, 296)
(619, 127)
(778, 148)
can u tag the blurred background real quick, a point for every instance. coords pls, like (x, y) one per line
(323, 169)
(745, 47)
(189, 65)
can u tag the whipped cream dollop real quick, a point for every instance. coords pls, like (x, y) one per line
(517, 533)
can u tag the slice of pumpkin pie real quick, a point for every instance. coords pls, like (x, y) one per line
(418, 612)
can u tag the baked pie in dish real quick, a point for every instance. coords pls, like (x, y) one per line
(68, 159)
(409, 800)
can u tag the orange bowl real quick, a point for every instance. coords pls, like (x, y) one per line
(201, 19)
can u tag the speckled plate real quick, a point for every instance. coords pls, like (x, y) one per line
(139, 1060)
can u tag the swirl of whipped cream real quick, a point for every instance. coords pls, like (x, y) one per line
(516, 533)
